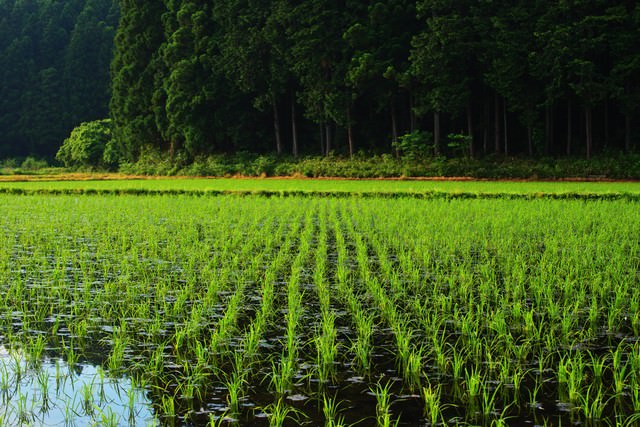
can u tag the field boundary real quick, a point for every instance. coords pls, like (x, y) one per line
(595, 196)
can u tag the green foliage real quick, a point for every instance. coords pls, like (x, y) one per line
(87, 145)
(415, 145)
(54, 70)
(459, 144)
(33, 164)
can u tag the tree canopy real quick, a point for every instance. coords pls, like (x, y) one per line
(542, 78)
(192, 77)
(54, 70)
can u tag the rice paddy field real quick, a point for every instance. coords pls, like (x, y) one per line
(216, 306)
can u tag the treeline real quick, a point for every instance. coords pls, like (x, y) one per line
(54, 70)
(462, 77)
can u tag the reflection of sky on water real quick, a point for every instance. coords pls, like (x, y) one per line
(53, 394)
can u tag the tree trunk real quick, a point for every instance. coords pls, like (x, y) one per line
(569, 128)
(394, 129)
(294, 128)
(349, 132)
(588, 130)
(548, 131)
(627, 132)
(530, 140)
(485, 130)
(496, 122)
(506, 129)
(436, 133)
(276, 126)
(606, 123)
(470, 128)
(172, 147)
(322, 139)
(328, 136)
(412, 115)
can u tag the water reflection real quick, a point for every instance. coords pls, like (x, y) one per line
(51, 393)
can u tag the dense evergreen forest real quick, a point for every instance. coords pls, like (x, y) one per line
(518, 77)
(54, 70)
(196, 77)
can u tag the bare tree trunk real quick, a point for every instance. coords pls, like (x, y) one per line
(470, 128)
(569, 128)
(530, 140)
(627, 133)
(394, 128)
(322, 139)
(485, 131)
(276, 125)
(436, 133)
(172, 147)
(548, 130)
(412, 115)
(606, 124)
(294, 128)
(506, 129)
(496, 122)
(328, 136)
(588, 120)
(349, 132)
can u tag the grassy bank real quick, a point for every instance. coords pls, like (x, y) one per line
(618, 166)
(428, 189)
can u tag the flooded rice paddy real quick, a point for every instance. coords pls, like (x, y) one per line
(227, 310)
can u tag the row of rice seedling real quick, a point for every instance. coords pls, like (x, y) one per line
(335, 310)
(174, 185)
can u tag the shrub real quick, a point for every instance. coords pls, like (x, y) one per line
(33, 164)
(415, 145)
(86, 145)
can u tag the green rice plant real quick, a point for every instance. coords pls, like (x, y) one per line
(87, 399)
(117, 354)
(235, 390)
(108, 418)
(281, 378)
(412, 370)
(43, 385)
(36, 350)
(489, 400)
(593, 403)
(362, 346)
(598, 365)
(327, 348)
(635, 398)
(534, 401)
(168, 406)
(431, 397)
(474, 380)
(619, 369)
(278, 412)
(483, 287)
(331, 412)
(571, 375)
(383, 405)
(458, 362)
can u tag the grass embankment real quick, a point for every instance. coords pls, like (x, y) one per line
(115, 184)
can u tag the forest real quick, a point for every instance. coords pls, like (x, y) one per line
(544, 77)
(190, 78)
(54, 71)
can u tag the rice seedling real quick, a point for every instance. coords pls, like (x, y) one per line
(278, 412)
(432, 404)
(383, 405)
(499, 300)
(331, 412)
